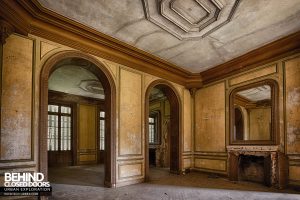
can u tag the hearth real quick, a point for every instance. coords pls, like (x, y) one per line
(254, 168)
(264, 164)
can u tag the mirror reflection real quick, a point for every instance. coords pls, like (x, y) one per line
(252, 113)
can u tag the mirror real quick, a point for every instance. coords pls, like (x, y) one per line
(253, 113)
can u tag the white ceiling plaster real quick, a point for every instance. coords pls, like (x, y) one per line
(257, 94)
(254, 24)
(76, 80)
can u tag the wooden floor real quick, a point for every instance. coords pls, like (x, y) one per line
(86, 182)
(87, 175)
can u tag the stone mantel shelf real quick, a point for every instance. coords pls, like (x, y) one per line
(252, 148)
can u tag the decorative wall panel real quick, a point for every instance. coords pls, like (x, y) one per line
(210, 119)
(130, 130)
(47, 47)
(253, 74)
(16, 99)
(210, 164)
(187, 139)
(292, 98)
(127, 171)
(294, 173)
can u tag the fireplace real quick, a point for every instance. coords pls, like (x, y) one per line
(264, 164)
(254, 168)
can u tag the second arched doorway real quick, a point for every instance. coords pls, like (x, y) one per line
(163, 130)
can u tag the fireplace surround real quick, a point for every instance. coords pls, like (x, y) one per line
(275, 163)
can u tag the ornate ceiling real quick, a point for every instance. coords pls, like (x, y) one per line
(195, 35)
(189, 19)
(76, 80)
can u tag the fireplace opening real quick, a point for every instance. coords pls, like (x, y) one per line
(253, 168)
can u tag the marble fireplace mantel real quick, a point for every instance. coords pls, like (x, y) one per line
(277, 162)
(252, 148)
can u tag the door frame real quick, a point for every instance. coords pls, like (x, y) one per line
(107, 81)
(176, 125)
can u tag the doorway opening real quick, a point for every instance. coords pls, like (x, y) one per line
(162, 128)
(77, 136)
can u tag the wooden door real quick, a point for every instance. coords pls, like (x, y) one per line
(87, 134)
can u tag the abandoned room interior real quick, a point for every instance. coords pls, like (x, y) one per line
(152, 99)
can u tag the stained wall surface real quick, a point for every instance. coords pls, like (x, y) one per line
(215, 97)
(210, 128)
(23, 60)
(16, 100)
(259, 124)
(204, 117)
(292, 116)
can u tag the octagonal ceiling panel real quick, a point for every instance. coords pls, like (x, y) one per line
(189, 15)
(253, 23)
(190, 19)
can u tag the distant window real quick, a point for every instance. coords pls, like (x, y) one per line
(153, 128)
(102, 130)
(59, 128)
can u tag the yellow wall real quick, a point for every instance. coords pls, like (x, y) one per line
(210, 128)
(23, 60)
(259, 123)
(205, 117)
(214, 98)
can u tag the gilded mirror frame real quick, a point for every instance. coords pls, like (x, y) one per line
(274, 114)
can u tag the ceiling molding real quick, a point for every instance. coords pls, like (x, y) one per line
(31, 17)
(263, 55)
(189, 19)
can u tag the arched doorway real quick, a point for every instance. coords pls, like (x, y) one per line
(174, 125)
(109, 103)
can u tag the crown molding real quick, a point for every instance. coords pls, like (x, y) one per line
(273, 51)
(30, 17)
(6, 30)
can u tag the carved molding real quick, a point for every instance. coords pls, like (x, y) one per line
(6, 30)
(30, 16)
(190, 19)
(193, 91)
(245, 148)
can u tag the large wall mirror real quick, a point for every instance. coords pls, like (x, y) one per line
(253, 113)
